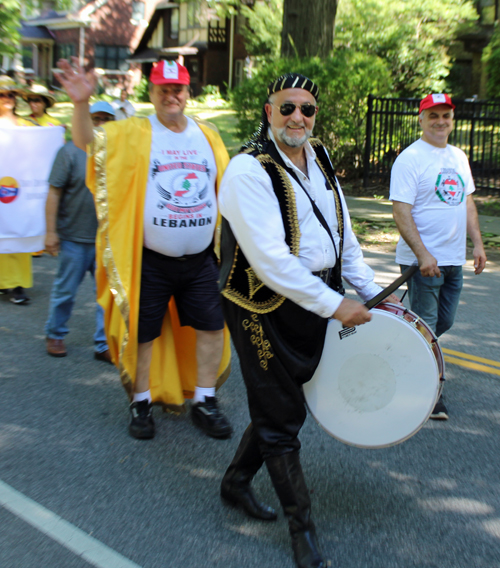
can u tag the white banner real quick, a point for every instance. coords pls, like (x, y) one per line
(26, 158)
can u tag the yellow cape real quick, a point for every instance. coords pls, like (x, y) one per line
(117, 175)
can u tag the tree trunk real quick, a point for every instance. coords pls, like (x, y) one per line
(308, 27)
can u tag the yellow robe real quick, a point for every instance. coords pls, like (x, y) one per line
(117, 175)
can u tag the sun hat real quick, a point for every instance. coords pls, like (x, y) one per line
(169, 72)
(41, 91)
(8, 84)
(434, 100)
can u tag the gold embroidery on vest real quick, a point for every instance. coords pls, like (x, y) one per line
(257, 338)
(338, 205)
(293, 221)
(254, 282)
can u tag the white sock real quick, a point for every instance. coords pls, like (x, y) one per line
(200, 393)
(146, 395)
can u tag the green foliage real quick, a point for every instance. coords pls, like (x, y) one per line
(141, 91)
(491, 58)
(345, 80)
(262, 32)
(210, 97)
(10, 21)
(10, 15)
(412, 36)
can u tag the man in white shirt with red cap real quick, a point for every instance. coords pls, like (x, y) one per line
(431, 191)
(154, 181)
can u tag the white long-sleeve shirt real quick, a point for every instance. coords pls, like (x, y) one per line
(248, 202)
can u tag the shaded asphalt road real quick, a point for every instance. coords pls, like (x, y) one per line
(433, 501)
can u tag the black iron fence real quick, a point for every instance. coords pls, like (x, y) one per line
(392, 125)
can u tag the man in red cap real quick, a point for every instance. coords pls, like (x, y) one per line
(155, 180)
(431, 191)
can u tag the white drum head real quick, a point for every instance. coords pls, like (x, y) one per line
(374, 387)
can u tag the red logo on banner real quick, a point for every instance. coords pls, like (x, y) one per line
(9, 189)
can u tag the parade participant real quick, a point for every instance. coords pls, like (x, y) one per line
(39, 99)
(154, 182)
(431, 191)
(286, 243)
(123, 107)
(71, 229)
(15, 269)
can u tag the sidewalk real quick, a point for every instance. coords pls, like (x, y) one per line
(381, 210)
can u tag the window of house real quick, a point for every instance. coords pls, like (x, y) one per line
(174, 23)
(137, 12)
(193, 14)
(111, 57)
(64, 51)
(27, 54)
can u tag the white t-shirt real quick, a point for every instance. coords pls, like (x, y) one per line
(180, 211)
(436, 181)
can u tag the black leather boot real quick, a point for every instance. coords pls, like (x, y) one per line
(288, 480)
(235, 486)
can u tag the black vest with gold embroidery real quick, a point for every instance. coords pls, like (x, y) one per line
(238, 280)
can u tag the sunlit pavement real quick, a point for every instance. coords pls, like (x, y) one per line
(433, 501)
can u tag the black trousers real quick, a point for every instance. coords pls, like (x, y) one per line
(278, 353)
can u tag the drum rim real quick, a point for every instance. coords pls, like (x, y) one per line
(421, 338)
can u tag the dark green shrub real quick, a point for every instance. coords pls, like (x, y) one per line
(141, 92)
(491, 57)
(345, 80)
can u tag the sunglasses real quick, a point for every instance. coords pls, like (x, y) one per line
(307, 109)
(37, 100)
(7, 95)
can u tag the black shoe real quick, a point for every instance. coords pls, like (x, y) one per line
(440, 412)
(18, 296)
(306, 550)
(207, 416)
(242, 495)
(142, 425)
(4, 291)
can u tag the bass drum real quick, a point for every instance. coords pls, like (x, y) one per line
(376, 384)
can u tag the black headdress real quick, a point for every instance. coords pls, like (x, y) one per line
(286, 81)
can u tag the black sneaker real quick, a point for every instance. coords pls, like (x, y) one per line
(4, 291)
(18, 296)
(142, 425)
(440, 412)
(207, 416)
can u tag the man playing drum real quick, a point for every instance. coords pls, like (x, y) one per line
(431, 191)
(287, 242)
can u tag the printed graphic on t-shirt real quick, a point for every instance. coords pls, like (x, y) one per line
(450, 187)
(183, 189)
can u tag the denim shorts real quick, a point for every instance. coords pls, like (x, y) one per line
(193, 282)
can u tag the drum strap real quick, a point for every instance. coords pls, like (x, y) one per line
(407, 274)
(276, 156)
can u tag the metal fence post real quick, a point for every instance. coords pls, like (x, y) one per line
(368, 141)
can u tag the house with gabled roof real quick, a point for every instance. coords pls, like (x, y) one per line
(122, 38)
(209, 45)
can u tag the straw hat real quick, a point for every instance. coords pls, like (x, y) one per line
(8, 84)
(41, 91)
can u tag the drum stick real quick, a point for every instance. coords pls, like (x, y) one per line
(407, 274)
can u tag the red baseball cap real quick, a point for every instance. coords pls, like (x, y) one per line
(435, 100)
(169, 72)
